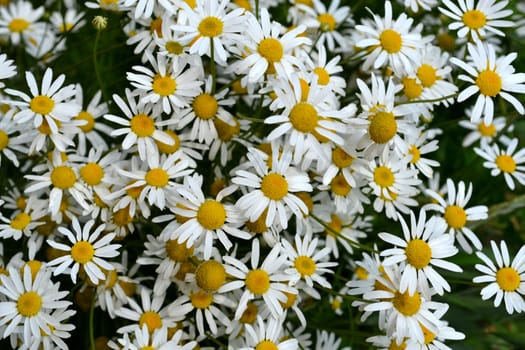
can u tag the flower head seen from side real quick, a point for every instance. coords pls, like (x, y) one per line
(478, 20)
(490, 76)
(7, 68)
(425, 245)
(506, 279)
(456, 214)
(507, 162)
(268, 336)
(87, 250)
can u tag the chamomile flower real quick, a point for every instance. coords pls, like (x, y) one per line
(391, 42)
(457, 215)
(70, 21)
(490, 76)
(481, 131)
(207, 219)
(169, 85)
(11, 140)
(325, 70)
(212, 29)
(507, 162)
(140, 127)
(414, 147)
(267, 51)
(268, 336)
(266, 281)
(506, 281)
(50, 103)
(7, 69)
(477, 19)
(158, 340)
(272, 187)
(425, 245)
(87, 251)
(29, 302)
(23, 222)
(19, 19)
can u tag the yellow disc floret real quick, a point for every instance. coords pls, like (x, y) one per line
(427, 74)
(258, 281)
(505, 163)
(210, 275)
(266, 345)
(169, 149)
(201, 299)
(508, 279)
(211, 26)
(411, 88)
(205, 106)
(82, 252)
(323, 77)
(339, 186)
(418, 253)
(42, 104)
(211, 215)
(18, 25)
(92, 173)
(383, 176)
(274, 186)
(164, 86)
(487, 130)
(474, 19)
(88, 118)
(178, 252)
(406, 304)
(63, 177)
(391, 41)
(4, 140)
(151, 319)
(383, 127)
(29, 304)
(271, 49)
(304, 117)
(455, 216)
(157, 177)
(142, 125)
(327, 22)
(20, 221)
(305, 265)
(489, 83)
(415, 153)
(341, 159)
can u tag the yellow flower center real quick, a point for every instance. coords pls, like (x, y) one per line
(18, 25)
(21, 203)
(411, 88)
(428, 335)
(474, 19)
(65, 27)
(164, 86)
(45, 129)
(142, 125)
(341, 159)
(305, 89)
(111, 278)
(210, 275)
(335, 224)
(508, 279)
(169, 149)
(446, 42)
(327, 22)
(226, 131)
(339, 186)
(323, 77)
(266, 345)
(427, 74)
(211, 215)
(63, 177)
(178, 251)
(201, 299)
(92, 173)
(245, 4)
(489, 83)
(250, 314)
(90, 125)
(455, 216)
(418, 253)
(4, 140)
(361, 273)
(151, 319)
(271, 49)
(406, 304)
(259, 225)
(506, 163)
(29, 304)
(210, 26)
(157, 177)
(205, 106)
(394, 346)
(304, 117)
(416, 154)
(20, 221)
(258, 282)
(156, 26)
(290, 300)
(305, 265)
(487, 130)
(382, 127)
(82, 252)
(391, 41)
(174, 47)
(274, 186)
(134, 192)
(42, 104)
(383, 176)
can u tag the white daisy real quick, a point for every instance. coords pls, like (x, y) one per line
(12, 139)
(506, 161)
(506, 279)
(19, 19)
(482, 131)
(268, 336)
(490, 76)
(87, 251)
(7, 68)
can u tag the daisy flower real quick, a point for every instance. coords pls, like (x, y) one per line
(481, 131)
(306, 262)
(390, 42)
(456, 214)
(425, 245)
(7, 68)
(158, 340)
(23, 222)
(70, 21)
(267, 51)
(506, 161)
(266, 281)
(268, 336)
(414, 147)
(87, 251)
(9, 143)
(325, 70)
(140, 127)
(327, 21)
(29, 302)
(50, 103)
(169, 85)
(207, 219)
(506, 279)
(211, 30)
(272, 187)
(490, 76)
(19, 19)
(477, 18)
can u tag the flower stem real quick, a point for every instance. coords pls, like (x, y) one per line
(91, 322)
(213, 69)
(428, 101)
(95, 66)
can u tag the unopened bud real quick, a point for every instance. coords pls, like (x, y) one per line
(100, 22)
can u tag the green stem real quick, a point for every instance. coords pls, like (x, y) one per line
(255, 120)
(257, 9)
(213, 69)
(91, 321)
(338, 234)
(95, 66)
(428, 101)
